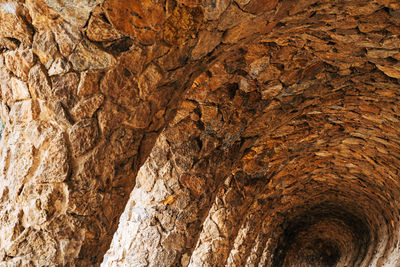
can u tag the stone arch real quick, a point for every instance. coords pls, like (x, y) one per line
(89, 86)
(301, 137)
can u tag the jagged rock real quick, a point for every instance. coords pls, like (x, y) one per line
(100, 30)
(20, 89)
(59, 66)
(87, 56)
(55, 165)
(64, 87)
(149, 80)
(110, 117)
(20, 62)
(141, 20)
(75, 12)
(45, 47)
(181, 25)
(13, 24)
(232, 132)
(39, 83)
(83, 136)
(6, 43)
(86, 108)
(214, 8)
(23, 111)
(140, 117)
(88, 83)
(68, 37)
(258, 6)
(391, 71)
(207, 42)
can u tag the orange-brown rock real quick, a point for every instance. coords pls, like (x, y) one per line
(199, 133)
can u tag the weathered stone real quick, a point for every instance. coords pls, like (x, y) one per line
(214, 8)
(59, 66)
(40, 133)
(23, 111)
(75, 12)
(391, 71)
(174, 59)
(55, 109)
(88, 83)
(140, 116)
(149, 80)
(21, 157)
(67, 36)
(39, 84)
(181, 25)
(283, 151)
(100, 30)
(20, 62)
(13, 24)
(124, 93)
(208, 113)
(207, 42)
(258, 66)
(141, 20)
(235, 34)
(232, 17)
(110, 117)
(83, 136)
(43, 201)
(87, 56)
(64, 87)
(124, 143)
(45, 47)
(174, 241)
(9, 44)
(20, 89)
(5, 85)
(242, 3)
(194, 184)
(271, 89)
(381, 53)
(259, 6)
(86, 108)
(135, 54)
(54, 167)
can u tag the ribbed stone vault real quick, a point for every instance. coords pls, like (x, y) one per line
(311, 180)
(200, 133)
(306, 123)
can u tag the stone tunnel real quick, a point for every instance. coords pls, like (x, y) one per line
(200, 133)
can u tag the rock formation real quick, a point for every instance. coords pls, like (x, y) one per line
(200, 133)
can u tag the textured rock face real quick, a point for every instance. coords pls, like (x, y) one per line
(238, 133)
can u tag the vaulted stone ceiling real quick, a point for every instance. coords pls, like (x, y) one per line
(237, 133)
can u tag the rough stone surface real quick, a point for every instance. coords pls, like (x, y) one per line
(87, 56)
(45, 47)
(83, 136)
(199, 133)
(75, 12)
(14, 27)
(19, 62)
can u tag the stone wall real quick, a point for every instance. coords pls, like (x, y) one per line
(239, 133)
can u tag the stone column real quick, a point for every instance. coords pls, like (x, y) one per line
(220, 230)
(247, 234)
(256, 250)
(177, 184)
